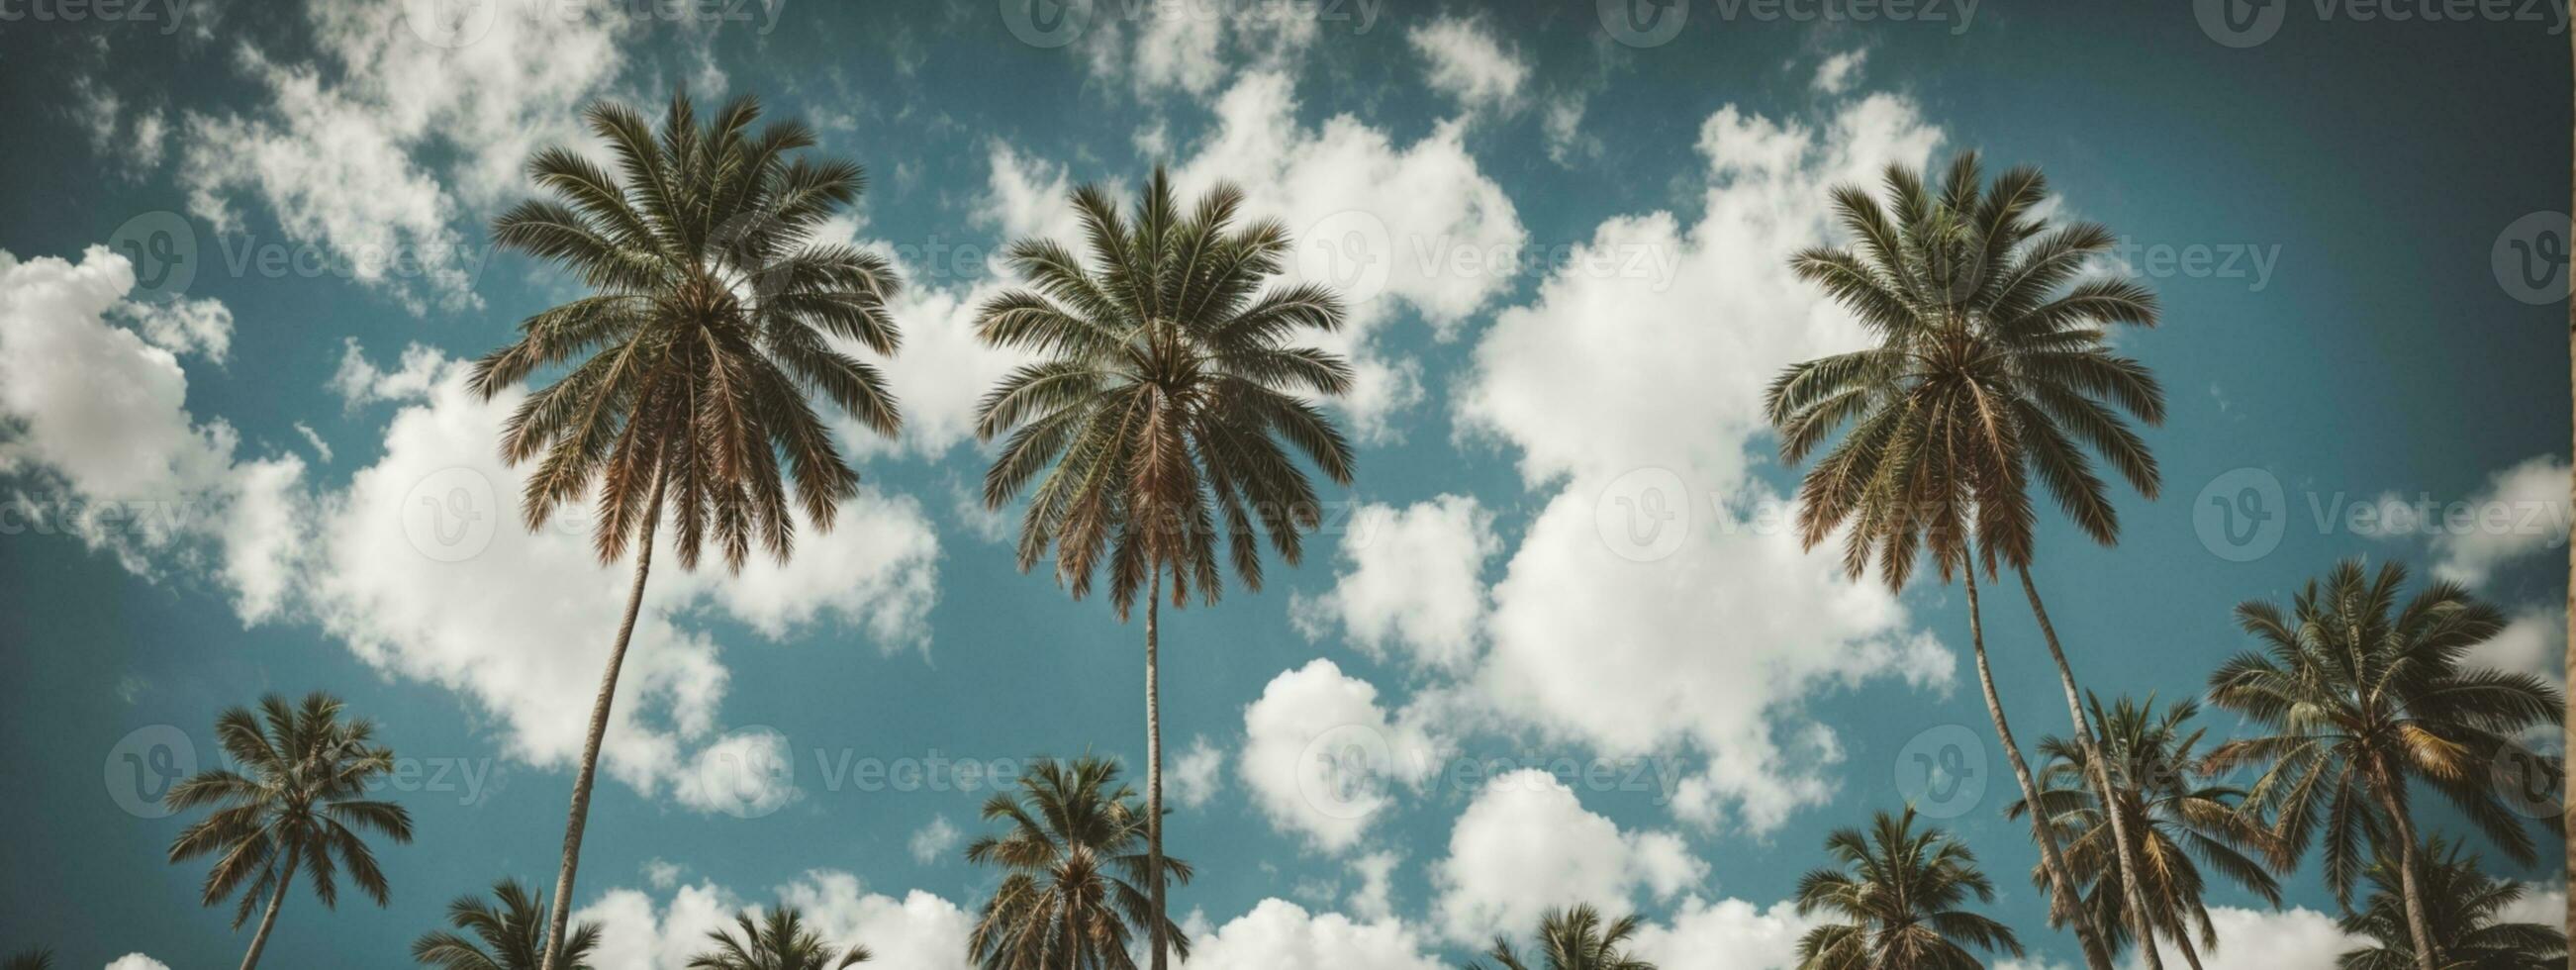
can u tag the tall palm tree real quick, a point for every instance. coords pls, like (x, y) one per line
(2466, 907)
(2358, 700)
(1575, 939)
(1172, 392)
(2181, 820)
(511, 935)
(1991, 365)
(35, 959)
(1897, 894)
(1069, 898)
(780, 941)
(298, 804)
(686, 373)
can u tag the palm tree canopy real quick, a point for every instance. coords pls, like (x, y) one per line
(299, 803)
(2465, 907)
(1072, 851)
(713, 316)
(779, 941)
(507, 936)
(1171, 392)
(2359, 695)
(2190, 820)
(36, 959)
(1991, 360)
(1895, 894)
(1575, 939)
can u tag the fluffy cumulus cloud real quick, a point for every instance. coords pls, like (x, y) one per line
(1527, 845)
(94, 425)
(1466, 61)
(136, 961)
(1412, 582)
(2260, 940)
(1656, 598)
(1729, 934)
(1197, 774)
(1416, 226)
(1280, 935)
(1191, 48)
(1319, 754)
(916, 930)
(2522, 511)
(336, 153)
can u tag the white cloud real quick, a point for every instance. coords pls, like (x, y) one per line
(1527, 845)
(1414, 582)
(662, 873)
(918, 930)
(313, 438)
(1318, 754)
(1375, 898)
(136, 961)
(2259, 940)
(1382, 223)
(97, 424)
(1607, 631)
(1468, 63)
(1280, 935)
(339, 152)
(1027, 197)
(2522, 511)
(1838, 73)
(200, 327)
(1197, 774)
(1192, 47)
(2534, 642)
(1729, 934)
(934, 841)
(639, 934)
(1562, 123)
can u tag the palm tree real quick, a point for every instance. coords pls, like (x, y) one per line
(300, 806)
(35, 959)
(1989, 368)
(1575, 939)
(512, 934)
(780, 941)
(2465, 910)
(2361, 698)
(1172, 392)
(2181, 821)
(1897, 893)
(686, 372)
(1069, 898)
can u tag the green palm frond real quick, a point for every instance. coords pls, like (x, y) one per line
(1072, 852)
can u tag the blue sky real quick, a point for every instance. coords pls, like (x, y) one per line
(1564, 237)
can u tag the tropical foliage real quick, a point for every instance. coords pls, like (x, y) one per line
(298, 805)
(1070, 854)
(507, 934)
(778, 941)
(1894, 898)
(2465, 909)
(1574, 938)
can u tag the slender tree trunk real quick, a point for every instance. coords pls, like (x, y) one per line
(2052, 860)
(2569, 806)
(2418, 930)
(268, 920)
(2141, 924)
(1154, 766)
(562, 908)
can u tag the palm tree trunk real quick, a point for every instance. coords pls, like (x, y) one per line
(2061, 886)
(561, 914)
(2418, 930)
(2569, 806)
(1154, 766)
(2141, 925)
(268, 920)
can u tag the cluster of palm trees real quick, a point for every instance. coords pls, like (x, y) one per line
(1166, 430)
